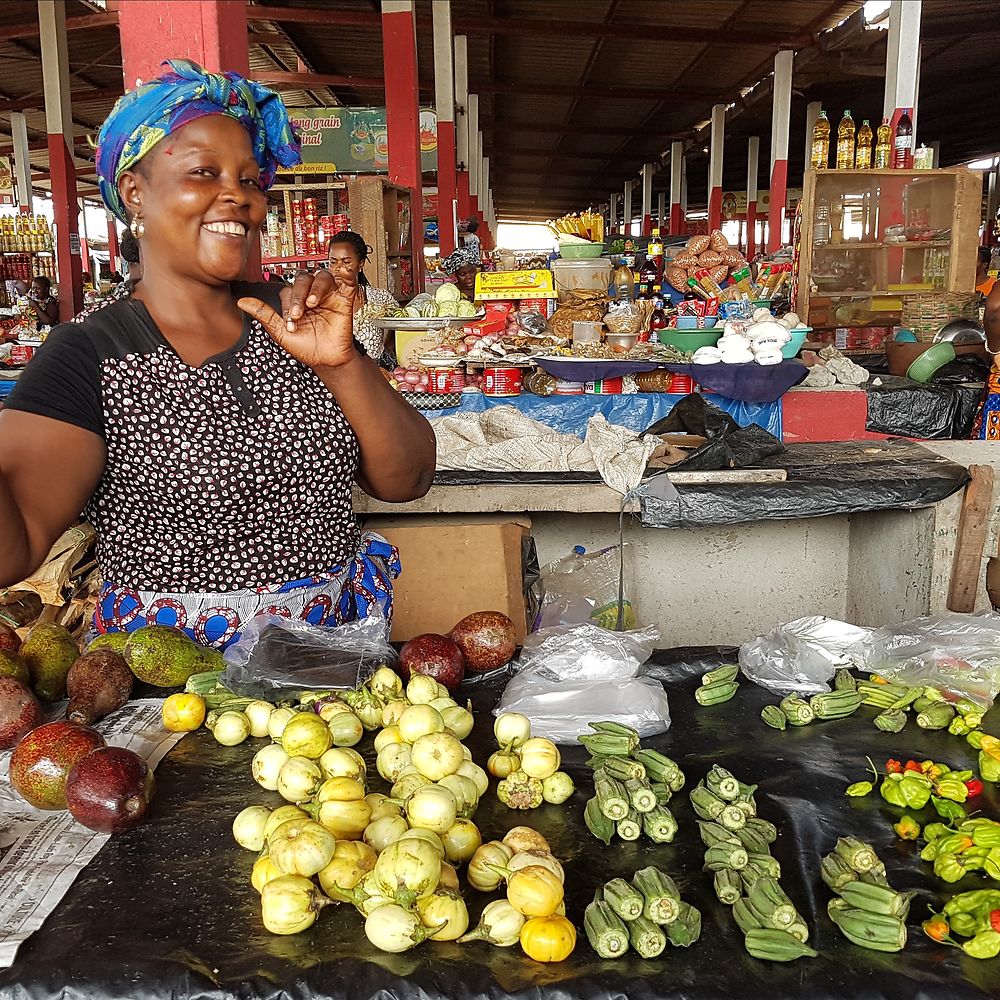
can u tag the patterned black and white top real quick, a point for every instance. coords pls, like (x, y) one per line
(230, 476)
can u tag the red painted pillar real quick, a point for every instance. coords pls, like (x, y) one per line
(676, 175)
(62, 172)
(444, 99)
(463, 207)
(781, 113)
(402, 112)
(753, 161)
(715, 167)
(212, 33)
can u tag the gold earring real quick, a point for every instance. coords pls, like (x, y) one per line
(137, 227)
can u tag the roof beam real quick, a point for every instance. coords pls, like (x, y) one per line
(29, 29)
(608, 91)
(563, 128)
(37, 100)
(522, 26)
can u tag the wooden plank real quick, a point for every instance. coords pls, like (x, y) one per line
(972, 527)
(728, 476)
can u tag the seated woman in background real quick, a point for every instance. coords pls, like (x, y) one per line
(43, 302)
(348, 256)
(463, 265)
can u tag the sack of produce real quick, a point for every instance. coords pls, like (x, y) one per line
(801, 656)
(571, 673)
(958, 654)
(276, 657)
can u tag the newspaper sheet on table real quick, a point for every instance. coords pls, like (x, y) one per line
(41, 853)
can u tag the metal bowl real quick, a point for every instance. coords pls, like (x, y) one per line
(962, 331)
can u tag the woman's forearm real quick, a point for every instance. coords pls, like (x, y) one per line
(398, 449)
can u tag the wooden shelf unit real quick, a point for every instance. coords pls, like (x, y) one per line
(383, 214)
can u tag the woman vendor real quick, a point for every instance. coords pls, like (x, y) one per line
(211, 429)
(463, 265)
(348, 255)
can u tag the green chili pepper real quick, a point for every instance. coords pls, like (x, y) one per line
(973, 902)
(929, 851)
(991, 863)
(916, 791)
(975, 739)
(958, 726)
(954, 843)
(989, 769)
(966, 924)
(952, 788)
(948, 868)
(961, 775)
(948, 809)
(986, 836)
(933, 831)
(973, 720)
(859, 788)
(890, 790)
(986, 944)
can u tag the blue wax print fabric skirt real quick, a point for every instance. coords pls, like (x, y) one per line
(343, 594)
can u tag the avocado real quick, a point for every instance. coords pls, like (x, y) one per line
(162, 655)
(108, 640)
(49, 652)
(12, 665)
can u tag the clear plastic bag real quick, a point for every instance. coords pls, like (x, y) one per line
(570, 675)
(960, 654)
(277, 657)
(800, 656)
(584, 586)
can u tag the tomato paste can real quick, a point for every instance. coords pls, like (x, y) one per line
(444, 380)
(21, 354)
(604, 387)
(540, 306)
(564, 388)
(681, 385)
(502, 381)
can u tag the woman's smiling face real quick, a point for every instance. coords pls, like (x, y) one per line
(199, 196)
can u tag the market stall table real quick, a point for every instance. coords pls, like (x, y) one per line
(167, 910)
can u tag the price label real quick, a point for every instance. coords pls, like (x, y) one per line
(74, 244)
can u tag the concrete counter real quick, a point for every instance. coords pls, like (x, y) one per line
(727, 583)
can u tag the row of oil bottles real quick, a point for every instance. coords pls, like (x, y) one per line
(861, 149)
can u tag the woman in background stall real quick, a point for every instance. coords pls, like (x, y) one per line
(463, 265)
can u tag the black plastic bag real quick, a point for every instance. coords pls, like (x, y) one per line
(729, 446)
(931, 412)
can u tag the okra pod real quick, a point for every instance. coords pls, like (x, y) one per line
(844, 680)
(630, 827)
(725, 856)
(744, 915)
(705, 803)
(720, 782)
(661, 900)
(622, 768)
(647, 937)
(641, 796)
(623, 898)
(728, 886)
(659, 825)
(611, 797)
(859, 855)
(686, 929)
(796, 710)
(717, 693)
(606, 931)
(774, 717)
(773, 945)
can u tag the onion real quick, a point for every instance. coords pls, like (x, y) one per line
(539, 759)
(383, 832)
(433, 807)
(437, 755)
(412, 378)
(461, 840)
(301, 847)
(267, 762)
(512, 729)
(420, 720)
(259, 714)
(341, 762)
(248, 827)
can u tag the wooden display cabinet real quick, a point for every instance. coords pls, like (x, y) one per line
(892, 234)
(383, 214)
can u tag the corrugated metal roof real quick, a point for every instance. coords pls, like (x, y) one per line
(576, 94)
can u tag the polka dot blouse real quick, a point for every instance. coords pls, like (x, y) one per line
(230, 476)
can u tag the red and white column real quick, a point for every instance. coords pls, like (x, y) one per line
(753, 167)
(627, 210)
(402, 115)
(444, 102)
(661, 211)
(474, 156)
(676, 185)
(780, 119)
(613, 213)
(716, 148)
(902, 61)
(59, 126)
(462, 125)
(212, 33)
(647, 198)
(22, 162)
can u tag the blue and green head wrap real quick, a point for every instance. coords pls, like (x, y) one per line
(154, 110)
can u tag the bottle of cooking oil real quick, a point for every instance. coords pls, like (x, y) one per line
(883, 146)
(820, 158)
(845, 142)
(863, 153)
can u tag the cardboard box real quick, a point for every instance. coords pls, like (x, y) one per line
(412, 344)
(454, 565)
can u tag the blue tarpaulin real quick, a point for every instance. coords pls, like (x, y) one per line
(637, 411)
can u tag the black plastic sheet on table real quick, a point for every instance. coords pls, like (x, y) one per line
(843, 477)
(167, 910)
(934, 412)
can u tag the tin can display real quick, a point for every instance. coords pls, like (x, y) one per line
(502, 381)
(21, 354)
(445, 380)
(681, 385)
(604, 387)
(568, 388)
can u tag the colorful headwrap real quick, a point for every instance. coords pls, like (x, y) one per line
(144, 116)
(462, 257)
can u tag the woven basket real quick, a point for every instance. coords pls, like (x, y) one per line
(926, 314)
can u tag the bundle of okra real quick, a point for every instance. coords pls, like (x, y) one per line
(632, 786)
(867, 910)
(738, 853)
(645, 913)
